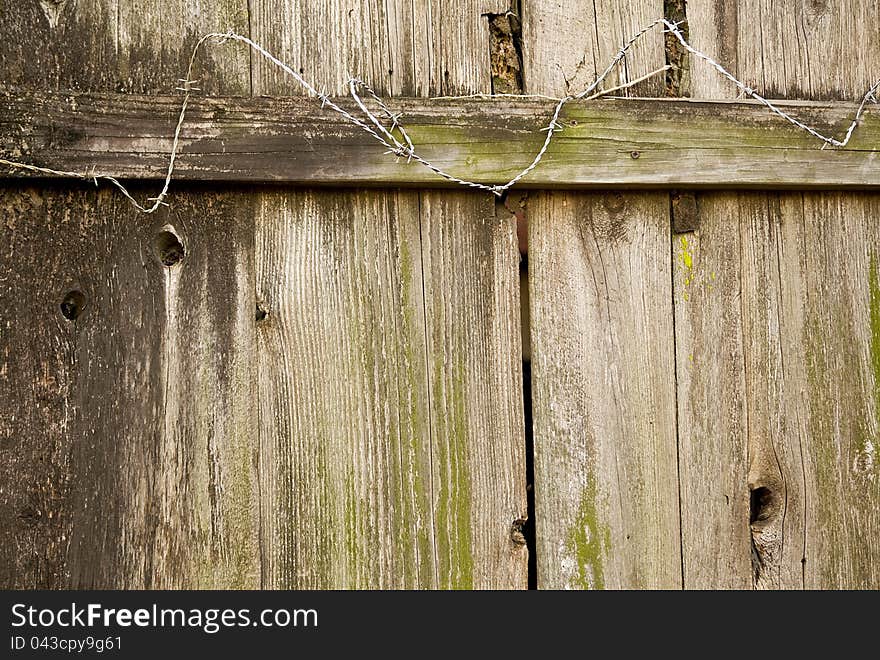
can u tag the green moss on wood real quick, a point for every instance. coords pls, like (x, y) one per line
(454, 494)
(589, 540)
(874, 288)
(686, 258)
(461, 478)
(352, 536)
(413, 540)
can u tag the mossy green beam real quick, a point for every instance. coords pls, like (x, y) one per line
(637, 143)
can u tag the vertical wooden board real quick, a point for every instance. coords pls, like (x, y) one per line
(831, 339)
(733, 445)
(711, 346)
(713, 28)
(605, 457)
(711, 404)
(345, 458)
(37, 374)
(790, 49)
(375, 522)
(471, 279)
(58, 45)
(168, 490)
(808, 419)
(775, 459)
(154, 457)
(474, 371)
(121, 45)
(204, 505)
(606, 483)
(139, 473)
(807, 49)
(398, 47)
(567, 44)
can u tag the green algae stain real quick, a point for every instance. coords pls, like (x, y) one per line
(874, 288)
(352, 535)
(454, 494)
(589, 540)
(461, 478)
(414, 528)
(686, 257)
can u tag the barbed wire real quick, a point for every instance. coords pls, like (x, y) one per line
(403, 147)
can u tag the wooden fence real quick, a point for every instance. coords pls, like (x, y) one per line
(308, 370)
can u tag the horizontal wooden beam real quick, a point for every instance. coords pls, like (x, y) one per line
(643, 143)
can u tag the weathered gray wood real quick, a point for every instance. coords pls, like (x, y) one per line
(787, 48)
(784, 375)
(293, 140)
(605, 462)
(579, 40)
(833, 342)
(127, 460)
(606, 485)
(132, 462)
(120, 45)
(400, 47)
(346, 455)
(391, 412)
(472, 324)
(711, 387)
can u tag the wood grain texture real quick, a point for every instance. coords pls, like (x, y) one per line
(393, 448)
(605, 465)
(130, 464)
(806, 49)
(791, 336)
(344, 402)
(128, 46)
(711, 384)
(294, 140)
(475, 375)
(399, 47)
(135, 465)
(606, 485)
(567, 43)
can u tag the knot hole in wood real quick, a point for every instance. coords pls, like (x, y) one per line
(72, 305)
(169, 248)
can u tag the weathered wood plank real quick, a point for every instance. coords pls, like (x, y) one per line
(141, 473)
(789, 337)
(142, 406)
(415, 47)
(605, 464)
(475, 375)
(293, 140)
(592, 35)
(606, 485)
(345, 458)
(711, 382)
(788, 48)
(834, 350)
(36, 377)
(391, 417)
(120, 45)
